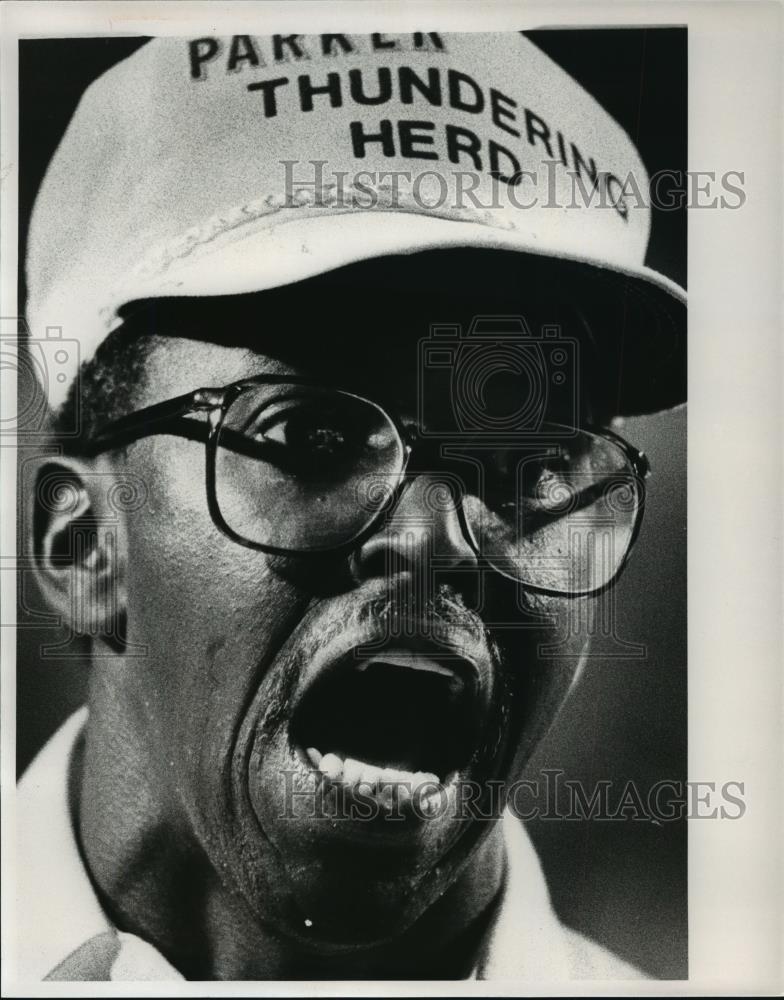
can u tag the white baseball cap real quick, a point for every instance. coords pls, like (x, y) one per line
(219, 166)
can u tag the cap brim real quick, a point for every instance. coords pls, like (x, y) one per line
(637, 317)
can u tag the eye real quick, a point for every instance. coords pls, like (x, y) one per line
(538, 485)
(550, 494)
(315, 432)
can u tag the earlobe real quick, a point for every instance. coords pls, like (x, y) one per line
(77, 546)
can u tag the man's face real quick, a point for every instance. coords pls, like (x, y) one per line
(252, 659)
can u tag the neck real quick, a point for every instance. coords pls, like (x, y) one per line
(156, 882)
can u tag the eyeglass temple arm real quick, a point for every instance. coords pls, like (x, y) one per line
(157, 419)
(534, 520)
(171, 417)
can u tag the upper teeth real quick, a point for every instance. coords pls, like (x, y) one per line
(411, 661)
(352, 773)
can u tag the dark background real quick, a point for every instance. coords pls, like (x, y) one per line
(623, 883)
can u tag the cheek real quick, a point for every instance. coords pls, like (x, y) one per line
(542, 647)
(205, 617)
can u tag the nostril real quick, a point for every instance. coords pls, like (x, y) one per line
(369, 561)
(394, 549)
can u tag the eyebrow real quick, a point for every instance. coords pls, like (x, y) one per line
(248, 364)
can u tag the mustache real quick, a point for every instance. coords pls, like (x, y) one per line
(441, 616)
(445, 608)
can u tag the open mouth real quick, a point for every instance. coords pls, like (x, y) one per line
(398, 720)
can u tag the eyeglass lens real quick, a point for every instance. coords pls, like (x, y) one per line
(308, 468)
(304, 468)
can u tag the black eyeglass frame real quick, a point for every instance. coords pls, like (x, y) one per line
(170, 417)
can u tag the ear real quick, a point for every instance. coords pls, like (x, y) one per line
(78, 548)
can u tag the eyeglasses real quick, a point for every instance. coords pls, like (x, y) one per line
(296, 467)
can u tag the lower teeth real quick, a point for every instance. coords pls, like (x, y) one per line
(387, 782)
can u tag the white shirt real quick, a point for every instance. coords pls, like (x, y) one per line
(64, 934)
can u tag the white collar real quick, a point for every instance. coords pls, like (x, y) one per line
(58, 911)
(526, 940)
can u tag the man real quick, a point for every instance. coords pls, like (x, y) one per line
(354, 314)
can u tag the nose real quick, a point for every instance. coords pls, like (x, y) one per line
(422, 531)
